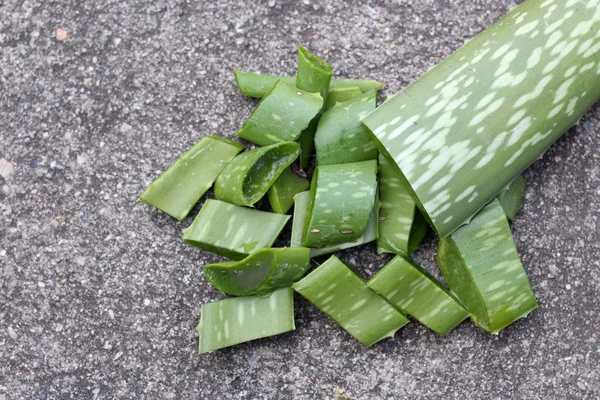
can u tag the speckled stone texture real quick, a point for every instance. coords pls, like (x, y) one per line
(100, 297)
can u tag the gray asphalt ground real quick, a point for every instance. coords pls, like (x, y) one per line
(100, 297)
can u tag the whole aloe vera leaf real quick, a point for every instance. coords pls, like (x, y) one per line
(345, 297)
(340, 137)
(258, 85)
(301, 201)
(342, 197)
(179, 188)
(416, 293)
(468, 127)
(340, 95)
(281, 115)
(401, 226)
(261, 272)
(227, 322)
(248, 177)
(313, 75)
(233, 231)
(281, 193)
(510, 198)
(480, 263)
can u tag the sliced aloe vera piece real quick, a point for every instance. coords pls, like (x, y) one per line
(341, 294)
(469, 126)
(248, 177)
(228, 322)
(233, 231)
(510, 198)
(340, 95)
(301, 201)
(416, 293)
(258, 85)
(401, 225)
(281, 115)
(261, 272)
(281, 193)
(342, 197)
(340, 137)
(313, 75)
(480, 263)
(179, 188)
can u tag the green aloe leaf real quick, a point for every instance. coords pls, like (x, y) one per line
(232, 231)
(258, 85)
(342, 197)
(469, 126)
(341, 294)
(510, 198)
(340, 137)
(261, 272)
(179, 188)
(340, 95)
(281, 193)
(416, 293)
(401, 225)
(481, 265)
(229, 322)
(301, 201)
(281, 115)
(248, 177)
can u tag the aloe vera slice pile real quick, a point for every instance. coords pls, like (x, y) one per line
(447, 153)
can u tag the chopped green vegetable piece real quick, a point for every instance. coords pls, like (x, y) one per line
(246, 179)
(342, 197)
(281, 115)
(301, 201)
(340, 293)
(258, 85)
(179, 188)
(481, 265)
(510, 198)
(340, 95)
(282, 192)
(415, 292)
(469, 126)
(228, 322)
(233, 231)
(313, 75)
(341, 138)
(261, 272)
(401, 225)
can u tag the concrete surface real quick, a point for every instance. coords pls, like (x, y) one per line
(99, 296)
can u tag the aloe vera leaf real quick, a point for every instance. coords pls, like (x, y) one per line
(340, 137)
(258, 85)
(401, 226)
(179, 188)
(469, 126)
(313, 75)
(227, 322)
(261, 272)
(233, 231)
(281, 115)
(301, 201)
(248, 177)
(510, 198)
(480, 263)
(281, 193)
(345, 297)
(340, 95)
(342, 197)
(416, 293)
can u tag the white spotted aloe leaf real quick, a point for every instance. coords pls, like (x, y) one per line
(468, 127)
(228, 322)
